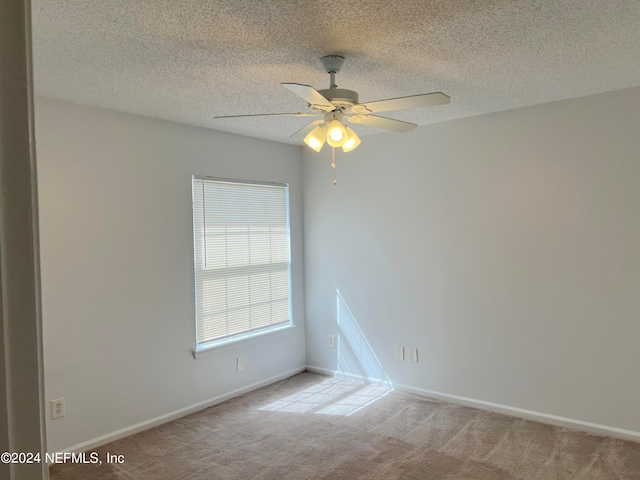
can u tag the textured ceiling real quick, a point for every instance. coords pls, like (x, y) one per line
(188, 60)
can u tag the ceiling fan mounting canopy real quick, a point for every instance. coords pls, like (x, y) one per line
(332, 63)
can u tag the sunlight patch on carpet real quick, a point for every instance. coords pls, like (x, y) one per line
(333, 396)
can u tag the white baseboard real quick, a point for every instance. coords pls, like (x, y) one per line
(588, 427)
(168, 417)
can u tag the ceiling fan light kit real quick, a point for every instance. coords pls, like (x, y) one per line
(337, 104)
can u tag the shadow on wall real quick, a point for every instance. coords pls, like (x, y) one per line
(356, 358)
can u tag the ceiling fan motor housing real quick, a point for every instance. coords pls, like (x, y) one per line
(340, 97)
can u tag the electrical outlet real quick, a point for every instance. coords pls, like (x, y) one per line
(57, 408)
(400, 353)
(240, 364)
(413, 353)
(332, 341)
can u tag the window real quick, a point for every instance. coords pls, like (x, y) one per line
(241, 242)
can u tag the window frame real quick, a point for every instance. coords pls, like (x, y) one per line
(248, 336)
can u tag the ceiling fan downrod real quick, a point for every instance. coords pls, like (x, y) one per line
(339, 97)
(332, 65)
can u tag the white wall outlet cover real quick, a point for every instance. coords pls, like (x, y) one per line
(400, 353)
(414, 355)
(332, 341)
(57, 408)
(240, 364)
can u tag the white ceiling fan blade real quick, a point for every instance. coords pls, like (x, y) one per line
(382, 122)
(297, 114)
(413, 101)
(306, 129)
(310, 94)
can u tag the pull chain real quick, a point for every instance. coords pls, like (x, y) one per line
(333, 163)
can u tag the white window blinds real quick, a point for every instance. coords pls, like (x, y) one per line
(241, 240)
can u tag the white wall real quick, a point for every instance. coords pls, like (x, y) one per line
(117, 266)
(505, 247)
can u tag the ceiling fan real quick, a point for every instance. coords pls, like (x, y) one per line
(334, 105)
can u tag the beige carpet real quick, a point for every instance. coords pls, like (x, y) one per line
(310, 426)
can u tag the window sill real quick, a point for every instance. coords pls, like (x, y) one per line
(240, 342)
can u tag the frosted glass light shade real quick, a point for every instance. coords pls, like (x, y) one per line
(336, 134)
(352, 141)
(316, 138)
